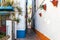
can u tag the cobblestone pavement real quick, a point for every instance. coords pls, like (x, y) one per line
(30, 36)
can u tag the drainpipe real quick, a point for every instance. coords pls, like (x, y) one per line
(33, 13)
(26, 14)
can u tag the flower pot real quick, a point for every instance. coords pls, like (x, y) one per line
(44, 7)
(40, 14)
(55, 3)
(26, 16)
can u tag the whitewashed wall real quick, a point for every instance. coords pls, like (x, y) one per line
(9, 28)
(21, 24)
(49, 23)
(38, 2)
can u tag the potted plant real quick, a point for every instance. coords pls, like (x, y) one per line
(16, 19)
(19, 10)
(29, 21)
(7, 3)
(55, 3)
(43, 7)
(2, 34)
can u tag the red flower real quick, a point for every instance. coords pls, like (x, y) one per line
(26, 16)
(44, 7)
(40, 14)
(55, 3)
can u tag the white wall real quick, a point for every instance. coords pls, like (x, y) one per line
(49, 23)
(38, 2)
(21, 24)
(9, 28)
(22, 4)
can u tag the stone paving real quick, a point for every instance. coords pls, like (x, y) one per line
(30, 36)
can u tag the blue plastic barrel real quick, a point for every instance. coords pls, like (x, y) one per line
(21, 33)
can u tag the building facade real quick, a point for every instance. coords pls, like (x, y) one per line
(6, 22)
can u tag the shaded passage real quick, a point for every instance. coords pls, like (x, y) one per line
(30, 36)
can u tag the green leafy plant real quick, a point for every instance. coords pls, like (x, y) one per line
(41, 7)
(29, 20)
(13, 14)
(19, 10)
(17, 20)
(2, 34)
(8, 4)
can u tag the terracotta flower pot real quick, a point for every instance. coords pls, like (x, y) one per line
(40, 14)
(44, 7)
(55, 3)
(26, 16)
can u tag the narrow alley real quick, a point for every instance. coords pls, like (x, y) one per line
(30, 35)
(29, 19)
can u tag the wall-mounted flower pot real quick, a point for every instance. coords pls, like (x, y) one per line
(55, 3)
(44, 7)
(40, 14)
(26, 16)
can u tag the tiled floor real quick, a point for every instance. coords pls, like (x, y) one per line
(30, 36)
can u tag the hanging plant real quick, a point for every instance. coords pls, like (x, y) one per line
(55, 3)
(13, 14)
(29, 20)
(19, 10)
(8, 4)
(26, 16)
(43, 7)
(16, 19)
(7, 15)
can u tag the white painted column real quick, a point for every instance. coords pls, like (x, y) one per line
(9, 28)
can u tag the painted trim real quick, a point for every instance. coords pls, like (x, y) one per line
(41, 36)
(6, 8)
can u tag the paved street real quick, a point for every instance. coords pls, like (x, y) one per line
(30, 36)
